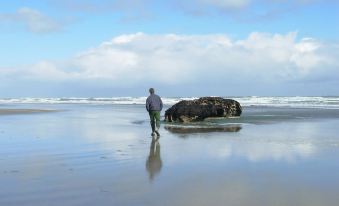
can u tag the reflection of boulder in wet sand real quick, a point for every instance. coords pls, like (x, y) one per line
(185, 130)
(202, 108)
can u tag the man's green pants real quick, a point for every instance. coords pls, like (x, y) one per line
(155, 119)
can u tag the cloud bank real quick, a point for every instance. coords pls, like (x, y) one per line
(172, 59)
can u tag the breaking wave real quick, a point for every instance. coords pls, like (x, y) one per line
(299, 102)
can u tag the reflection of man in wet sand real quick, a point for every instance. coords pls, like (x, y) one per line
(154, 163)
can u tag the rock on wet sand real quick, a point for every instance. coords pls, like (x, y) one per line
(202, 108)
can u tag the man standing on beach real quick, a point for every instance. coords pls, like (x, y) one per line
(154, 106)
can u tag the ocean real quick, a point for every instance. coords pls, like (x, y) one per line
(99, 151)
(304, 102)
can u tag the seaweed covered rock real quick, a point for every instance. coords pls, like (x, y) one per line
(202, 108)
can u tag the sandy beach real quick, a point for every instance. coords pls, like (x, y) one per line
(23, 111)
(104, 155)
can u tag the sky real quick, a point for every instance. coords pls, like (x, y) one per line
(106, 48)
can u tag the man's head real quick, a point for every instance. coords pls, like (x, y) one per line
(151, 91)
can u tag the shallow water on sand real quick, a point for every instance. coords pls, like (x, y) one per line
(104, 155)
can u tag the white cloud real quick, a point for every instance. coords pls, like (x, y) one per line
(33, 20)
(174, 59)
(306, 57)
(127, 10)
(103, 5)
(267, 151)
(139, 9)
(46, 71)
(243, 10)
(226, 4)
(238, 4)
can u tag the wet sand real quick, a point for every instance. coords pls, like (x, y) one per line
(104, 155)
(23, 111)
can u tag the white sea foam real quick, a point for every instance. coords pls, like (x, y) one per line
(299, 102)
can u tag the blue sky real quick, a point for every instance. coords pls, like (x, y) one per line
(183, 48)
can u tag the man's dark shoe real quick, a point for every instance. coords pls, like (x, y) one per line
(156, 131)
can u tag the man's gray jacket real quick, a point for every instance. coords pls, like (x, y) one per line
(153, 103)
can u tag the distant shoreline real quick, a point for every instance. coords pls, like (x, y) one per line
(23, 111)
(245, 101)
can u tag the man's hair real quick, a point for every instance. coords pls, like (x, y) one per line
(151, 90)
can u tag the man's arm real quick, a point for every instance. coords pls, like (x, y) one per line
(147, 104)
(160, 104)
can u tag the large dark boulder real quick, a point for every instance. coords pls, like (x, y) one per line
(202, 108)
